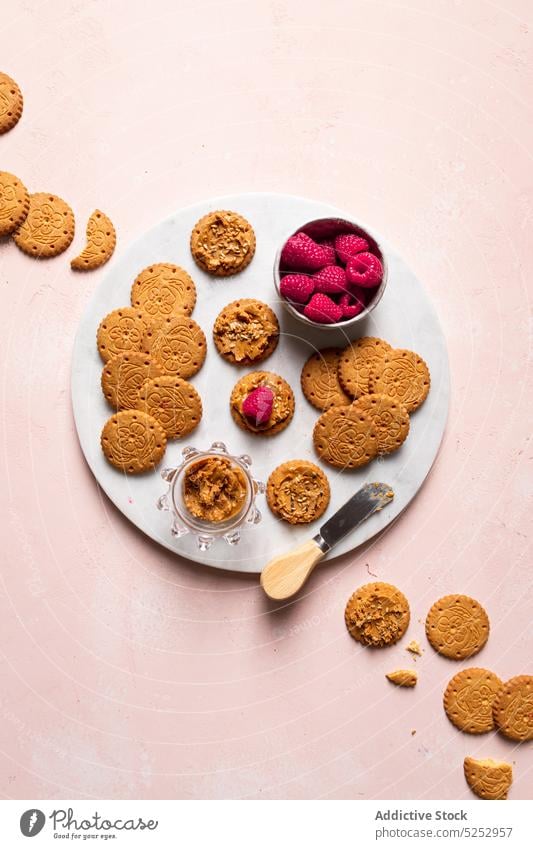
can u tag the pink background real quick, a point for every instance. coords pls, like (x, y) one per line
(126, 672)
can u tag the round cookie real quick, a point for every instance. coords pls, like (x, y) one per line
(14, 203)
(345, 438)
(513, 708)
(457, 626)
(468, 700)
(48, 229)
(222, 243)
(11, 103)
(174, 402)
(377, 615)
(133, 441)
(298, 491)
(487, 778)
(163, 290)
(246, 332)
(390, 420)
(177, 344)
(320, 380)
(123, 376)
(120, 332)
(101, 240)
(356, 362)
(404, 376)
(282, 408)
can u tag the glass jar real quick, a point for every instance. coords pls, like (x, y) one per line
(205, 530)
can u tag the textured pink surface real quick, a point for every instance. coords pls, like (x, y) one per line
(125, 672)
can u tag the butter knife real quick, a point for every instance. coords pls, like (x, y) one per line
(283, 576)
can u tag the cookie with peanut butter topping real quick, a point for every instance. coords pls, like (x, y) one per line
(222, 243)
(298, 491)
(278, 408)
(246, 331)
(377, 614)
(320, 380)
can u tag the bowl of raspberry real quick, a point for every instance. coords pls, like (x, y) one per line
(330, 273)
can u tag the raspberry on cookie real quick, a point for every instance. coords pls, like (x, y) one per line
(280, 406)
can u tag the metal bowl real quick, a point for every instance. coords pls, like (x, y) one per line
(324, 228)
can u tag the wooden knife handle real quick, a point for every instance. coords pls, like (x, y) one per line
(286, 574)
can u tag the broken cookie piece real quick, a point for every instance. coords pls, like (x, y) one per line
(403, 677)
(487, 778)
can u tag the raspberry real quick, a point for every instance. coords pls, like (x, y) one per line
(297, 287)
(323, 310)
(303, 254)
(330, 280)
(257, 406)
(364, 270)
(350, 306)
(349, 245)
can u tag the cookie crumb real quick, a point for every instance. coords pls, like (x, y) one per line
(414, 648)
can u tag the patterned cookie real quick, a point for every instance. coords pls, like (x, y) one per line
(282, 408)
(457, 626)
(120, 332)
(222, 243)
(163, 290)
(403, 677)
(404, 376)
(48, 228)
(246, 332)
(177, 344)
(298, 491)
(377, 614)
(320, 380)
(468, 700)
(123, 375)
(390, 420)
(487, 778)
(174, 402)
(101, 242)
(345, 438)
(14, 203)
(357, 361)
(133, 441)
(11, 103)
(513, 708)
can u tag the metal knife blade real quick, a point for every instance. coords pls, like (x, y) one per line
(366, 501)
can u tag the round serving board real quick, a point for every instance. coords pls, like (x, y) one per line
(405, 318)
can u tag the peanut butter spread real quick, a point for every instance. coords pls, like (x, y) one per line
(214, 490)
(246, 331)
(282, 406)
(222, 242)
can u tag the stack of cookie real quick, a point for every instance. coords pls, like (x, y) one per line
(367, 392)
(150, 349)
